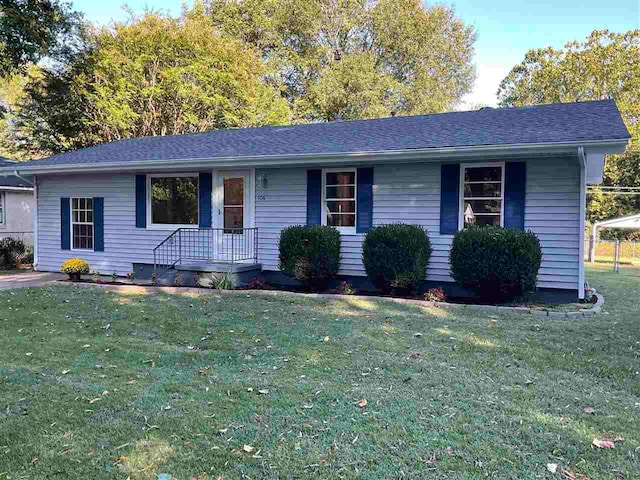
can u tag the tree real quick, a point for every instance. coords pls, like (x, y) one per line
(33, 29)
(605, 66)
(356, 58)
(154, 75)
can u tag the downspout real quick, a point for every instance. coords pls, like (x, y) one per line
(16, 174)
(35, 223)
(34, 215)
(583, 218)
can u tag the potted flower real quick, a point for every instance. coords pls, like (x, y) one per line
(75, 268)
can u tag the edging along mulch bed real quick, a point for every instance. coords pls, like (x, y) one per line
(120, 285)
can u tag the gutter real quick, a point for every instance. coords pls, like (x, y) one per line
(387, 156)
(15, 189)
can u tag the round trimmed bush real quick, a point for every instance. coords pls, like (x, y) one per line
(395, 256)
(496, 263)
(310, 254)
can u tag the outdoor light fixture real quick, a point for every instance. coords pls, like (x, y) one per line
(262, 180)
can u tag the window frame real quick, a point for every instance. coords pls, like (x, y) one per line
(170, 226)
(342, 230)
(463, 167)
(243, 206)
(72, 223)
(3, 210)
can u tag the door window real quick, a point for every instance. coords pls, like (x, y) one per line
(233, 204)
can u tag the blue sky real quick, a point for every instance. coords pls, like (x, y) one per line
(506, 28)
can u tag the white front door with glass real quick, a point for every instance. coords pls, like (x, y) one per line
(233, 201)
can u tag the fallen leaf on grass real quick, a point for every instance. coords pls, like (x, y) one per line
(248, 448)
(552, 467)
(588, 410)
(325, 339)
(603, 443)
(363, 403)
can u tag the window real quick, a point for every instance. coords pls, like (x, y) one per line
(233, 204)
(2, 210)
(482, 195)
(339, 204)
(82, 223)
(173, 199)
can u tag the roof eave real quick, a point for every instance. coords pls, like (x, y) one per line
(388, 156)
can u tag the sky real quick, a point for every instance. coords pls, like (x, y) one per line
(506, 29)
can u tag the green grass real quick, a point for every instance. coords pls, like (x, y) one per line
(105, 385)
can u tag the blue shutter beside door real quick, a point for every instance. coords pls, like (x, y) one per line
(204, 200)
(98, 224)
(515, 180)
(449, 198)
(314, 197)
(65, 224)
(141, 201)
(364, 217)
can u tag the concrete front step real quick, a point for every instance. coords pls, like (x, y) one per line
(202, 274)
(218, 267)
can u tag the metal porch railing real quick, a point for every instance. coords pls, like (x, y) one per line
(210, 245)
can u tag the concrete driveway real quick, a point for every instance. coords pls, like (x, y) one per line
(26, 279)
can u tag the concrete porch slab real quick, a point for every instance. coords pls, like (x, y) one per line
(218, 267)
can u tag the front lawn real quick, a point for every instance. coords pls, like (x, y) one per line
(97, 384)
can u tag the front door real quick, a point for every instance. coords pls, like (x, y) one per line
(234, 208)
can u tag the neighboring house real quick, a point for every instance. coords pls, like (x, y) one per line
(16, 205)
(222, 196)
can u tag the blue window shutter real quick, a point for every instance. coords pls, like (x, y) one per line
(314, 197)
(515, 181)
(204, 200)
(98, 224)
(141, 201)
(365, 200)
(449, 198)
(65, 224)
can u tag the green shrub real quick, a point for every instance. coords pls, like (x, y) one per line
(395, 256)
(497, 263)
(12, 253)
(310, 254)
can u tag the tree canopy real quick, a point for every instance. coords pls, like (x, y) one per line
(155, 75)
(240, 63)
(604, 66)
(356, 58)
(33, 29)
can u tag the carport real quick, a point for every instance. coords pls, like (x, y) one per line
(631, 221)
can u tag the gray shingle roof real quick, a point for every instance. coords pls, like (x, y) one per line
(10, 180)
(555, 123)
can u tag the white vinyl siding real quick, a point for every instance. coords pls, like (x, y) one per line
(123, 242)
(401, 193)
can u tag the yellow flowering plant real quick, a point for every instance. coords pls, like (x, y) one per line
(74, 267)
